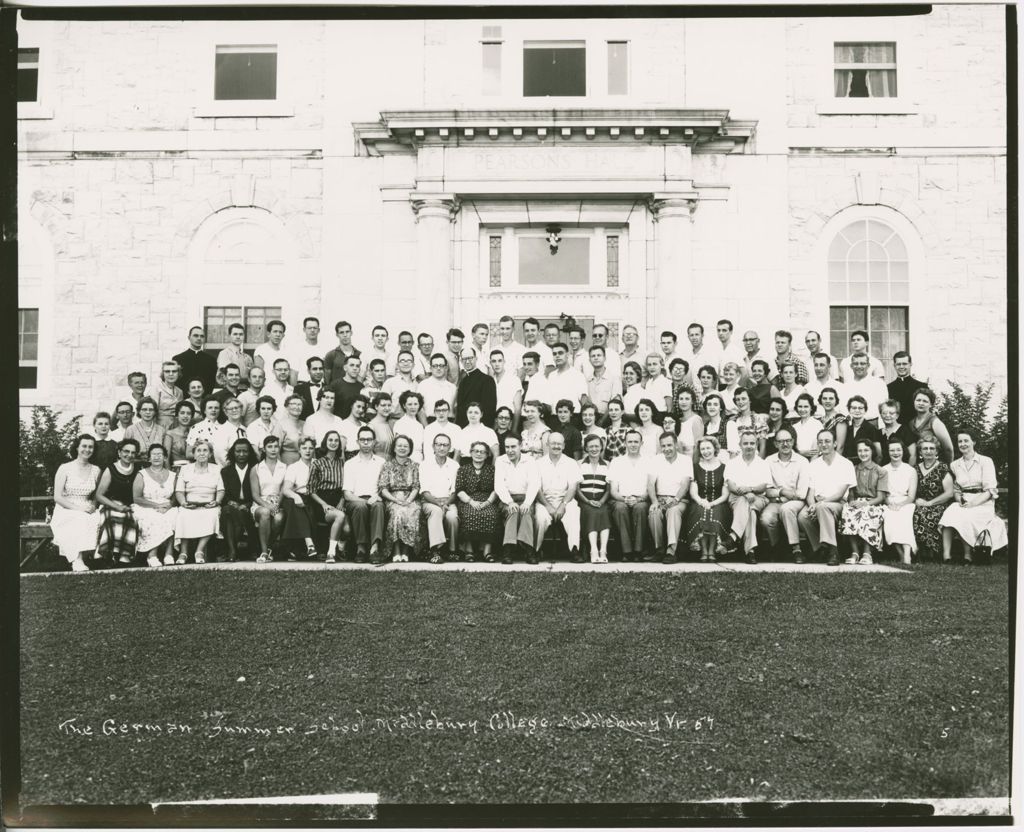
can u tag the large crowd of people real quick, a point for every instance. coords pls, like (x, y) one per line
(481, 449)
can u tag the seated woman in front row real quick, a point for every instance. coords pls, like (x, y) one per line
(863, 512)
(199, 491)
(973, 510)
(75, 519)
(155, 510)
(298, 524)
(118, 529)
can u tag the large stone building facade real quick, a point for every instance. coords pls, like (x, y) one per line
(806, 173)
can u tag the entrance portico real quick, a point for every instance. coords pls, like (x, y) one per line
(614, 188)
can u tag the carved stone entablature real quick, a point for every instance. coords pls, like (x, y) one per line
(403, 131)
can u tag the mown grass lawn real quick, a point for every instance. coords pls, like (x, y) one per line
(807, 686)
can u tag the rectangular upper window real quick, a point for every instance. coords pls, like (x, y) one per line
(28, 75)
(865, 70)
(618, 67)
(28, 348)
(554, 68)
(245, 73)
(491, 78)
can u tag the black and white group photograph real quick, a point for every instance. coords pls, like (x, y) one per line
(491, 415)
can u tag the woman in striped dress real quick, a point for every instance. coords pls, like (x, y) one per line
(115, 494)
(592, 496)
(325, 490)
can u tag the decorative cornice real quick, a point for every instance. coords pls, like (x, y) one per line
(403, 131)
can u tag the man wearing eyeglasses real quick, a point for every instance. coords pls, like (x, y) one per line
(786, 494)
(436, 386)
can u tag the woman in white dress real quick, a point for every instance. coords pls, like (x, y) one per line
(588, 424)
(691, 425)
(76, 521)
(973, 509)
(806, 427)
(898, 517)
(729, 385)
(475, 431)
(267, 480)
(632, 390)
(265, 425)
(205, 430)
(746, 421)
(790, 389)
(155, 511)
(199, 490)
(409, 424)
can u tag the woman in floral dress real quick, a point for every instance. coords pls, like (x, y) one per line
(934, 493)
(863, 513)
(399, 486)
(478, 509)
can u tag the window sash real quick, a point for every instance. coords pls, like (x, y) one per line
(245, 73)
(618, 67)
(491, 67)
(871, 53)
(217, 319)
(887, 326)
(554, 69)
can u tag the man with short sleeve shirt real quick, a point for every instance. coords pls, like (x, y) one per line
(309, 347)
(748, 477)
(233, 353)
(871, 388)
(564, 382)
(830, 477)
(437, 494)
(612, 361)
(601, 383)
(824, 377)
(436, 386)
(668, 483)
(347, 388)
(334, 360)
(627, 479)
(516, 482)
(859, 345)
(278, 387)
(441, 424)
(532, 342)
(272, 349)
(508, 387)
(559, 477)
(786, 494)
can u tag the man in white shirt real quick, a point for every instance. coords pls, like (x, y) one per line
(508, 386)
(323, 421)
(405, 344)
(229, 431)
(300, 353)
(352, 424)
(872, 388)
(627, 480)
(859, 344)
(279, 387)
(248, 398)
(812, 340)
(612, 361)
(559, 477)
(729, 349)
(378, 349)
(403, 380)
(516, 483)
(668, 485)
(787, 492)
(437, 493)
(478, 337)
(436, 385)
(600, 384)
(363, 502)
(822, 369)
(699, 354)
(532, 342)
(441, 424)
(575, 338)
(233, 353)
(270, 350)
(751, 353)
(829, 477)
(630, 345)
(534, 380)
(564, 382)
(510, 348)
(669, 343)
(124, 413)
(748, 477)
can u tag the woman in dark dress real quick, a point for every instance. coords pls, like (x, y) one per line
(762, 391)
(478, 510)
(592, 495)
(115, 494)
(502, 426)
(777, 411)
(934, 493)
(708, 517)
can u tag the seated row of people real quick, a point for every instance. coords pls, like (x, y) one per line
(661, 506)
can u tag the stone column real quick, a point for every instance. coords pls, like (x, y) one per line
(670, 298)
(434, 217)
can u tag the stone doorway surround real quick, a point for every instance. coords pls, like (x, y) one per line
(476, 169)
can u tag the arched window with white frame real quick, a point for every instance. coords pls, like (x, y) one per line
(239, 265)
(869, 289)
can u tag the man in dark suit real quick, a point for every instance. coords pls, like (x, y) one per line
(904, 386)
(195, 363)
(310, 390)
(236, 510)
